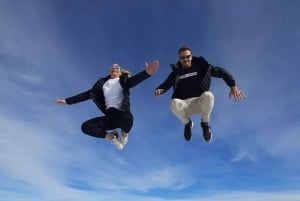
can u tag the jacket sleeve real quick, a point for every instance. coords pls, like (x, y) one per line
(220, 72)
(168, 83)
(79, 97)
(136, 79)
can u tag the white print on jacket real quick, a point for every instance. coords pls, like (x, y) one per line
(188, 75)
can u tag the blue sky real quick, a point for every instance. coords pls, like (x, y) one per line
(54, 49)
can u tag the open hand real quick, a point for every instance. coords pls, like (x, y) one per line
(237, 94)
(60, 101)
(152, 68)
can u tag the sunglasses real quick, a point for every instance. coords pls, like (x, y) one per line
(185, 57)
(116, 68)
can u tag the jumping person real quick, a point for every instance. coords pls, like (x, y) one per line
(111, 95)
(190, 78)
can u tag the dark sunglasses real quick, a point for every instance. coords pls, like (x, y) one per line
(185, 57)
(116, 67)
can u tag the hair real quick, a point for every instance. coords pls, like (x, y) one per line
(184, 48)
(125, 72)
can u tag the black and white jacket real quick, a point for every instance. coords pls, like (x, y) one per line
(192, 82)
(97, 95)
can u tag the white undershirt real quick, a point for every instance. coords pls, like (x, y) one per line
(113, 93)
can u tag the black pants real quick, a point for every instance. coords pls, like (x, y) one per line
(98, 126)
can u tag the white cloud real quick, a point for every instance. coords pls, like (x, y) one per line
(45, 156)
(32, 79)
(251, 196)
(281, 140)
(40, 156)
(243, 156)
(161, 177)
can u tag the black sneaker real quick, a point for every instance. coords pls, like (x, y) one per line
(206, 131)
(188, 130)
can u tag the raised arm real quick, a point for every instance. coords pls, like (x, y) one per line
(152, 68)
(149, 70)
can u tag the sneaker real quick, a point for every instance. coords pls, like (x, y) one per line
(206, 131)
(188, 130)
(124, 140)
(116, 141)
(115, 133)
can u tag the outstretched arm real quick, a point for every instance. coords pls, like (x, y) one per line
(237, 94)
(158, 92)
(166, 85)
(60, 101)
(220, 72)
(74, 99)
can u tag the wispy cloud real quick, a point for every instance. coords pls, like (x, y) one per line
(45, 156)
(281, 140)
(243, 156)
(33, 79)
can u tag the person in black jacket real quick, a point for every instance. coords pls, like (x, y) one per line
(190, 78)
(111, 95)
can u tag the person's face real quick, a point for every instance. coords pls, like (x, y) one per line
(185, 58)
(115, 71)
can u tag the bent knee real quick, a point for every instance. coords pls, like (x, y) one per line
(176, 104)
(208, 95)
(84, 128)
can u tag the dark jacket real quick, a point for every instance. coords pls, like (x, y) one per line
(204, 72)
(97, 95)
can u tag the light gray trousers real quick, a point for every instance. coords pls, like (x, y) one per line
(202, 105)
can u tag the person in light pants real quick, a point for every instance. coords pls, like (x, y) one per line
(203, 105)
(190, 79)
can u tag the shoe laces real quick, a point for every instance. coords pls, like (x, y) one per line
(117, 143)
